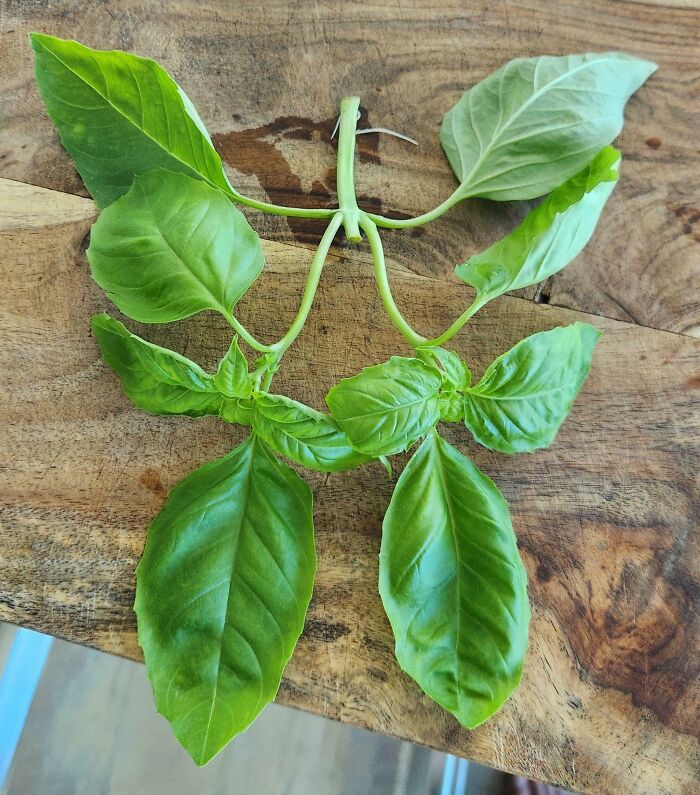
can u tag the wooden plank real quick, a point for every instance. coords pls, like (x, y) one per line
(267, 79)
(605, 517)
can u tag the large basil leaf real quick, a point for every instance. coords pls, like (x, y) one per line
(452, 583)
(162, 381)
(526, 393)
(303, 434)
(173, 246)
(222, 591)
(538, 121)
(120, 115)
(386, 408)
(549, 237)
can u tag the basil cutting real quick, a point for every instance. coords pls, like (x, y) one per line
(228, 566)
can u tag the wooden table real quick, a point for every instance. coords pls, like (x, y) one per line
(606, 517)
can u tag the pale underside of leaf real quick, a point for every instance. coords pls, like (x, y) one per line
(536, 122)
(549, 237)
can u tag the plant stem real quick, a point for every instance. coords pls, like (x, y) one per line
(406, 223)
(345, 168)
(456, 326)
(245, 335)
(277, 209)
(314, 276)
(368, 226)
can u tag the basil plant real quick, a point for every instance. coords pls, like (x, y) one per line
(227, 572)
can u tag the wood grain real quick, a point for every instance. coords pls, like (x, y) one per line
(605, 517)
(267, 79)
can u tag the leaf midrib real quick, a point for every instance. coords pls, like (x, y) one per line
(391, 410)
(531, 396)
(441, 477)
(237, 542)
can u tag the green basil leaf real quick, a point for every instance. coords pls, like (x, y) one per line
(238, 410)
(222, 591)
(454, 371)
(451, 406)
(303, 434)
(386, 408)
(538, 121)
(549, 237)
(154, 378)
(119, 116)
(231, 377)
(452, 583)
(173, 246)
(526, 393)
(162, 381)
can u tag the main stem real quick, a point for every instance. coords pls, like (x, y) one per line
(353, 219)
(347, 200)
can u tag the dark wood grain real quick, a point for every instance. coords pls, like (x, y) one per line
(267, 79)
(606, 518)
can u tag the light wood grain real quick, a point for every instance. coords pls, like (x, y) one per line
(267, 79)
(605, 517)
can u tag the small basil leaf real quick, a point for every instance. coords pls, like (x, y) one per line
(173, 246)
(549, 237)
(238, 410)
(154, 378)
(303, 434)
(231, 377)
(386, 463)
(222, 590)
(386, 408)
(538, 121)
(454, 371)
(452, 583)
(451, 406)
(525, 394)
(120, 115)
